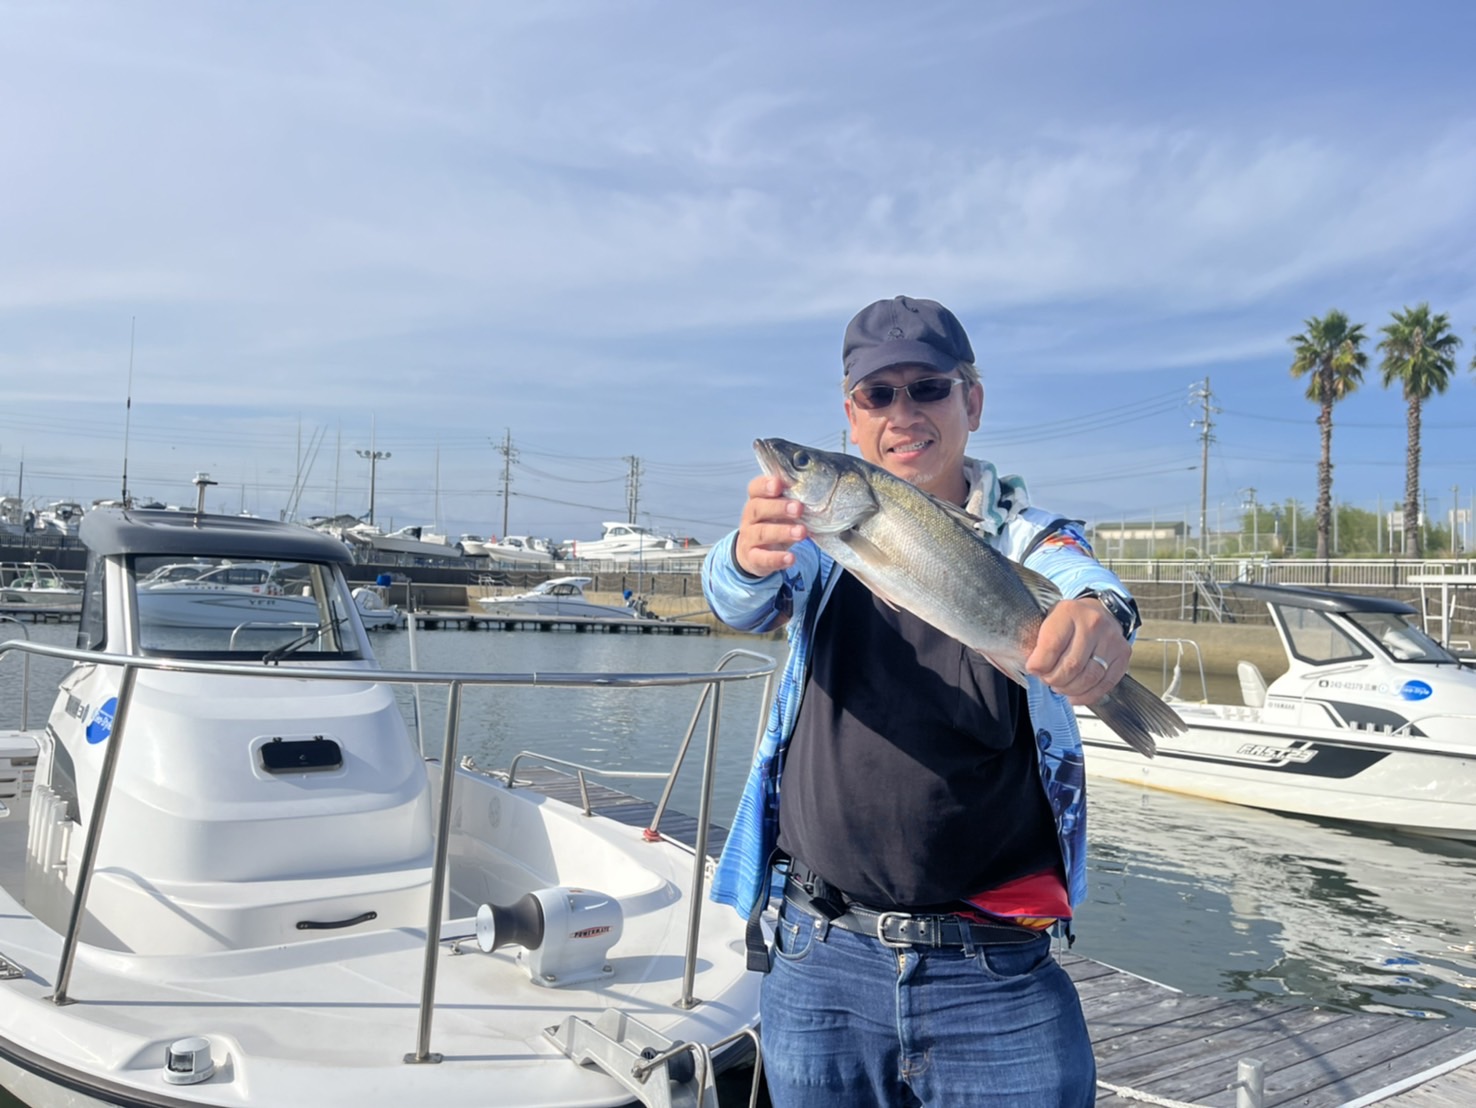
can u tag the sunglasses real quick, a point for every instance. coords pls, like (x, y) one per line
(925, 390)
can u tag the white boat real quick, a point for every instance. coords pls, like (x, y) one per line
(1373, 722)
(628, 542)
(408, 541)
(232, 878)
(14, 519)
(559, 596)
(222, 593)
(521, 550)
(376, 613)
(61, 517)
(470, 546)
(37, 584)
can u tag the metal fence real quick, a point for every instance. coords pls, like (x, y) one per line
(1338, 573)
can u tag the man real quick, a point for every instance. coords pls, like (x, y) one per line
(931, 824)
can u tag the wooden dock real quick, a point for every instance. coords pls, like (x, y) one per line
(460, 620)
(1158, 1046)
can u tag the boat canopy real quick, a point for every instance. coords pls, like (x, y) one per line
(115, 531)
(1297, 596)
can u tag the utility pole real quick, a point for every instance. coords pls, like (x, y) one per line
(1255, 512)
(1205, 423)
(1455, 514)
(509, 456)
(633, 487)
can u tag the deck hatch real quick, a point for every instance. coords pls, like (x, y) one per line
(301, 755)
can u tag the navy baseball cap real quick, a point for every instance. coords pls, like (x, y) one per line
(904, 331)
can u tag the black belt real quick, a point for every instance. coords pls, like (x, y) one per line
(905, 929)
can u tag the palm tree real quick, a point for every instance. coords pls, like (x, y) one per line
(1419, 353)
(1327, 353)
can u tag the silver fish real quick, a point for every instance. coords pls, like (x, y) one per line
(918, 553)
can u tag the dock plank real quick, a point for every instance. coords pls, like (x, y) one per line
(1155, 1042)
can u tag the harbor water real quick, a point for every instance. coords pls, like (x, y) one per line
(1206, 897)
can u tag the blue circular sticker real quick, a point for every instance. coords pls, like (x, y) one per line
(1415, 690)
(101, 725)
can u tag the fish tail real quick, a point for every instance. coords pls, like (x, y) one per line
(1136, 715)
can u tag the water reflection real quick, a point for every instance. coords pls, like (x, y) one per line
(1232, 901)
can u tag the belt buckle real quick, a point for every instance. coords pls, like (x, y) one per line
(881, 930)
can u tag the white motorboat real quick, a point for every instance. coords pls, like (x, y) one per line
(628, 542)
(247, 596)
(408, 541)
(232, 878)
(14, 519)
(470, 546)
(559, 596)
(37, 584)
(521, 550)
(61, 517)
(1373, 722)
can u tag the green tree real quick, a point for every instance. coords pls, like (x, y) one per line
(1419, 355)
(1328, 354)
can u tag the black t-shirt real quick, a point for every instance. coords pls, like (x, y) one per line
(911, 781)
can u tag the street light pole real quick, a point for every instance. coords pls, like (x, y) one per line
(374, 456)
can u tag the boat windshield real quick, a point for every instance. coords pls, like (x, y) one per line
(1402, 641)
(1313, 637)
(229, 608)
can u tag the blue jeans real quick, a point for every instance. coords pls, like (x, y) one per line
(850, 1021)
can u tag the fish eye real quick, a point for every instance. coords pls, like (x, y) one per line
(801, 459)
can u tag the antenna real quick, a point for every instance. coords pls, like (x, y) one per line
(128, 406)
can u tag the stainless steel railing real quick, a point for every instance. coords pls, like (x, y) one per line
(455, 682)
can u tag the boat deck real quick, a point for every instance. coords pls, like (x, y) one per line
(1153, 1043)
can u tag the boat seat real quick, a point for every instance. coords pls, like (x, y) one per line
(1252, 684)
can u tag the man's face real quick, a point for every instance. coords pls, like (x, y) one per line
(922, 443)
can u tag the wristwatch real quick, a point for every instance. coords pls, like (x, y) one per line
(1122, 609)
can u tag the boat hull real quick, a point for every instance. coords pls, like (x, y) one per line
(555, 607)
(1383, 780)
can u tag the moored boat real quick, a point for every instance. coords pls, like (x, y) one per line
(1373, 722)
(37, 584)
(559, 596)
(520, 550)
(235, 879)
(629, 542)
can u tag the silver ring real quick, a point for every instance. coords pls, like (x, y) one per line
(1103, 663)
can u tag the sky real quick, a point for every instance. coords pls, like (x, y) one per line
(264, 240)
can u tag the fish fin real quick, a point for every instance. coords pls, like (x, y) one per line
(1042, 589)
(1136, 715)
(962, 515)
(870, 554)
(874, 557)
